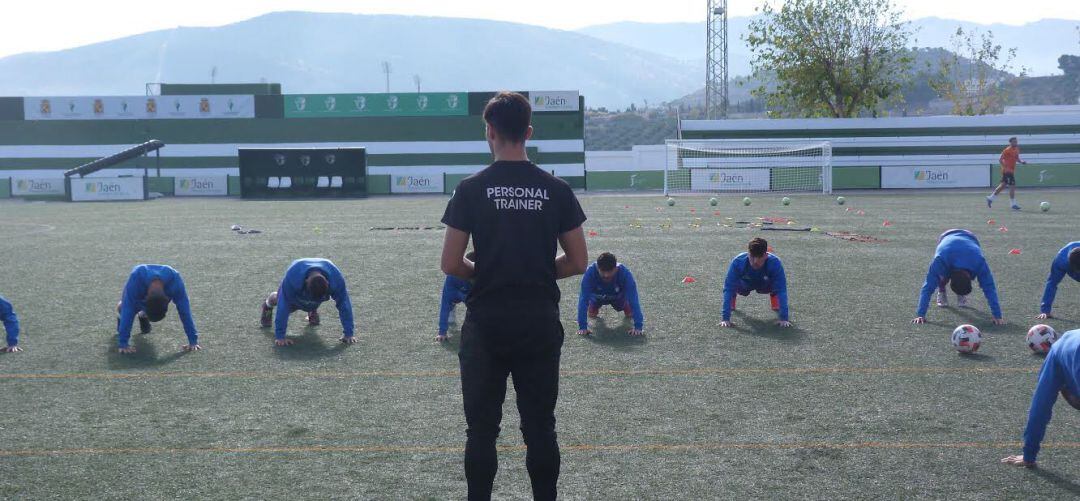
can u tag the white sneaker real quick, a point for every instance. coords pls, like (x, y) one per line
(942, 299)
(961, 301)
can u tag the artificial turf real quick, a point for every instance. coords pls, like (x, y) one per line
(852, 402)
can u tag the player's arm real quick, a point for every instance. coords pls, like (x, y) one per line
(635, 301)
(446, 303)
(1042, 406)
(178, 293)
(11, 323)
(731, 283)
(128, 309)
(1057, 274)
(986, 282)
(340, 294)
(587, 285)
(453, 261)
(933, 277)
(780, 286)
(575, 256)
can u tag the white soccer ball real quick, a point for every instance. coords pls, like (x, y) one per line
(966, 338)
(713, 201)
(785, 201)
(671, 202)
(1040, 337)
(840, 200)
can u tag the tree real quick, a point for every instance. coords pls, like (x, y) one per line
(835, 58)
(975, 74)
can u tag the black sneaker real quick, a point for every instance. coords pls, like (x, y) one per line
(267, 316)
(144, 325)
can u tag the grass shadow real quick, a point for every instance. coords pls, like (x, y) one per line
(1057, 480)
(146, 355)
(309, 346)
(768, 329)
(615, 337)
(978, 357)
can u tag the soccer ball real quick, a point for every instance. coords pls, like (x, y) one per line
(966, 338)
(713, 201)
(1045, 206)
(671, 202)
(840, 200)
(746, 201)
(785, 201)
(1040, 337)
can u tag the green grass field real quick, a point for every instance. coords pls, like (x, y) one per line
(853, 402)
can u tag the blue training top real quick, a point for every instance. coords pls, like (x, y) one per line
(293, 296)
(959, 250)
(1060, 369)
(454, 291)
(11, 322)
(1058, 269)
(595, 290)
(134, 299)
(741, 275)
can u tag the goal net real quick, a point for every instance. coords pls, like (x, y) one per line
(724, 166)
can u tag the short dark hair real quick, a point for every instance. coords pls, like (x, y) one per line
(157, 305)
(606, 261)
(317, 285)
(1011, 139)
(960, 282)
(1074, 259)
(471, 256)
(758, 247)
(509, 114)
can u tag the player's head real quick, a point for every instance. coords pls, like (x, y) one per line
(157, 303)
(606, 264)
(1070, 397)
(758, 250)
(1013, 141)
(471, 256)
(316, 285)
(1074, 260)
(960, 282)
(508, 116)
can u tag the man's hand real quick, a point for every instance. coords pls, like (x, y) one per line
(283, 342)
(191, 347)
(11, 349)
(1043, 316)
(726, 323)
(1017, 461)
(442, 337)
(783, 323)
(635, 332)
(999, 321)
(127, 350)
(919, 320)
(348, 339)
(584, 332)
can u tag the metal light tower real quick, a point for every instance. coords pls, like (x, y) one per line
(716, 61)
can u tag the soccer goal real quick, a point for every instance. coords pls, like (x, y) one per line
(724, 166)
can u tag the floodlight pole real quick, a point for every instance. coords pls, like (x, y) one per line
(716, 61)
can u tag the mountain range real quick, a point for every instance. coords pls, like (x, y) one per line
(612, 65)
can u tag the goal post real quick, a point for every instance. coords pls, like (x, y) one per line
(725, 166)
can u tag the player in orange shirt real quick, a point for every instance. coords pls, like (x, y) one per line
(1009, 156)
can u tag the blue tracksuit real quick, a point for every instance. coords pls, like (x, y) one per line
(1058, 269)
(454, 291)
(621, 290)
(959, 250)
(11, 322)
(742, 278)
(134, 299)
(1061, 369)
(292, 296)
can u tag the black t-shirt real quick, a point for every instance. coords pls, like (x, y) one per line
(515, 213)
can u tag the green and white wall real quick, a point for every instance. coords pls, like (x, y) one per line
(401, 136)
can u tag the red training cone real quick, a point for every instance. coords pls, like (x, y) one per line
(1015, 252)
(991, 222)
(1003, 229)
(886, 223)
(593, 233)
(688, 280)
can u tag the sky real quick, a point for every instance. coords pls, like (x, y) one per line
(46, 25)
